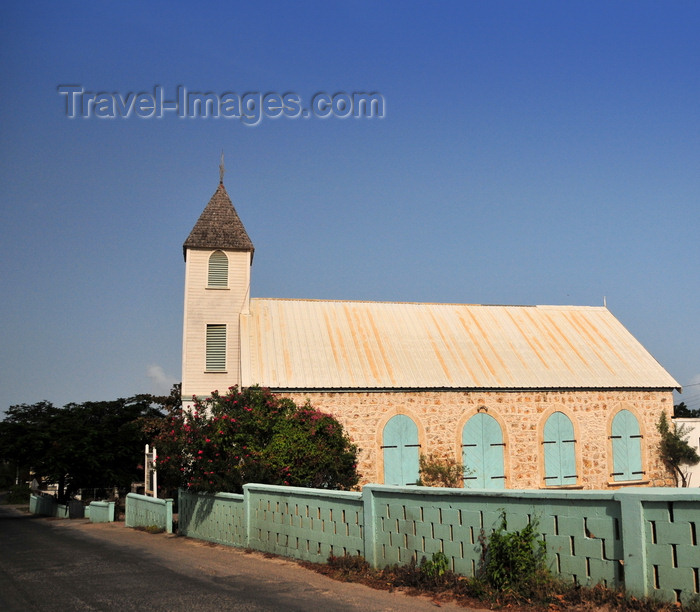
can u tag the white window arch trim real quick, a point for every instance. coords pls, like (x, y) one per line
(217, 274)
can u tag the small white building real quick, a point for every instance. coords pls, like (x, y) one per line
(692, 427)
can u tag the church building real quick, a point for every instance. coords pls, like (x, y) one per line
(524, 396)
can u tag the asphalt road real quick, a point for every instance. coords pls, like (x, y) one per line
(65, 565)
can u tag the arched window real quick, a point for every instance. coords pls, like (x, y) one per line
(482, 453)
(559, 451)
(218, 270)
(401, 448)
(627, 447)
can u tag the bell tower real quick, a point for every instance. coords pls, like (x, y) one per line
(218, 258)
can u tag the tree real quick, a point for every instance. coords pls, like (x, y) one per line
(252, 436)
(682, 411)
(675, 450)
(94, 444)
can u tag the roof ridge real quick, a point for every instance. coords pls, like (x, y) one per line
(340, 301)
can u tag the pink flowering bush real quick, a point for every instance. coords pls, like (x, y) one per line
(252, 436)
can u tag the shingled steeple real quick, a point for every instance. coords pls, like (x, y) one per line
(219, 227)
(218, 257)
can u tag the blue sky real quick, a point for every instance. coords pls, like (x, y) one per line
(530, 153)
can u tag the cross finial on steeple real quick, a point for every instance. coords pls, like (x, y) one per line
(221, 168)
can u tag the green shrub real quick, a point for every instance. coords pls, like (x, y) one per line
(252, 435)
(436, 568)
(436, 472)
(530, 587)
(675, 451)
(516, 560)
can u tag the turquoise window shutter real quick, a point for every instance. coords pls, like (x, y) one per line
(627, 447)
(482, 453)
(401, 450)
(218, 270)
(559, 451)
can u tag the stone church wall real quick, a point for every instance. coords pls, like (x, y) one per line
(440, 417)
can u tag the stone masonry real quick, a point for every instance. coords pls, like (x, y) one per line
(441, 415)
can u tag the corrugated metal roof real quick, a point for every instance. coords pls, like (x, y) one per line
(309, 344)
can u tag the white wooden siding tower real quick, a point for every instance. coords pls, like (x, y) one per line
(217, 293)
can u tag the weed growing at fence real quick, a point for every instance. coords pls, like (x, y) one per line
(349, 566)
(150, 529)
(418, 579)
(512, 574)
(515, 561)
(436, 568)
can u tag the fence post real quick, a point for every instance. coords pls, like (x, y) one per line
(146, 471)
(370, 528)
(169, 515)
(128, 511)
(247, 514)
(633, 542)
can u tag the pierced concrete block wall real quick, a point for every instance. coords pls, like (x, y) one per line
(144, 511)
(645, 540)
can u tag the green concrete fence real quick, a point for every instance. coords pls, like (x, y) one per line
(644, 540)
(100, 512)
(143, 511)
(97, 512)
(46, 505)
(311, 524)
(305, 524)
(216, 518)
(40, 504)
